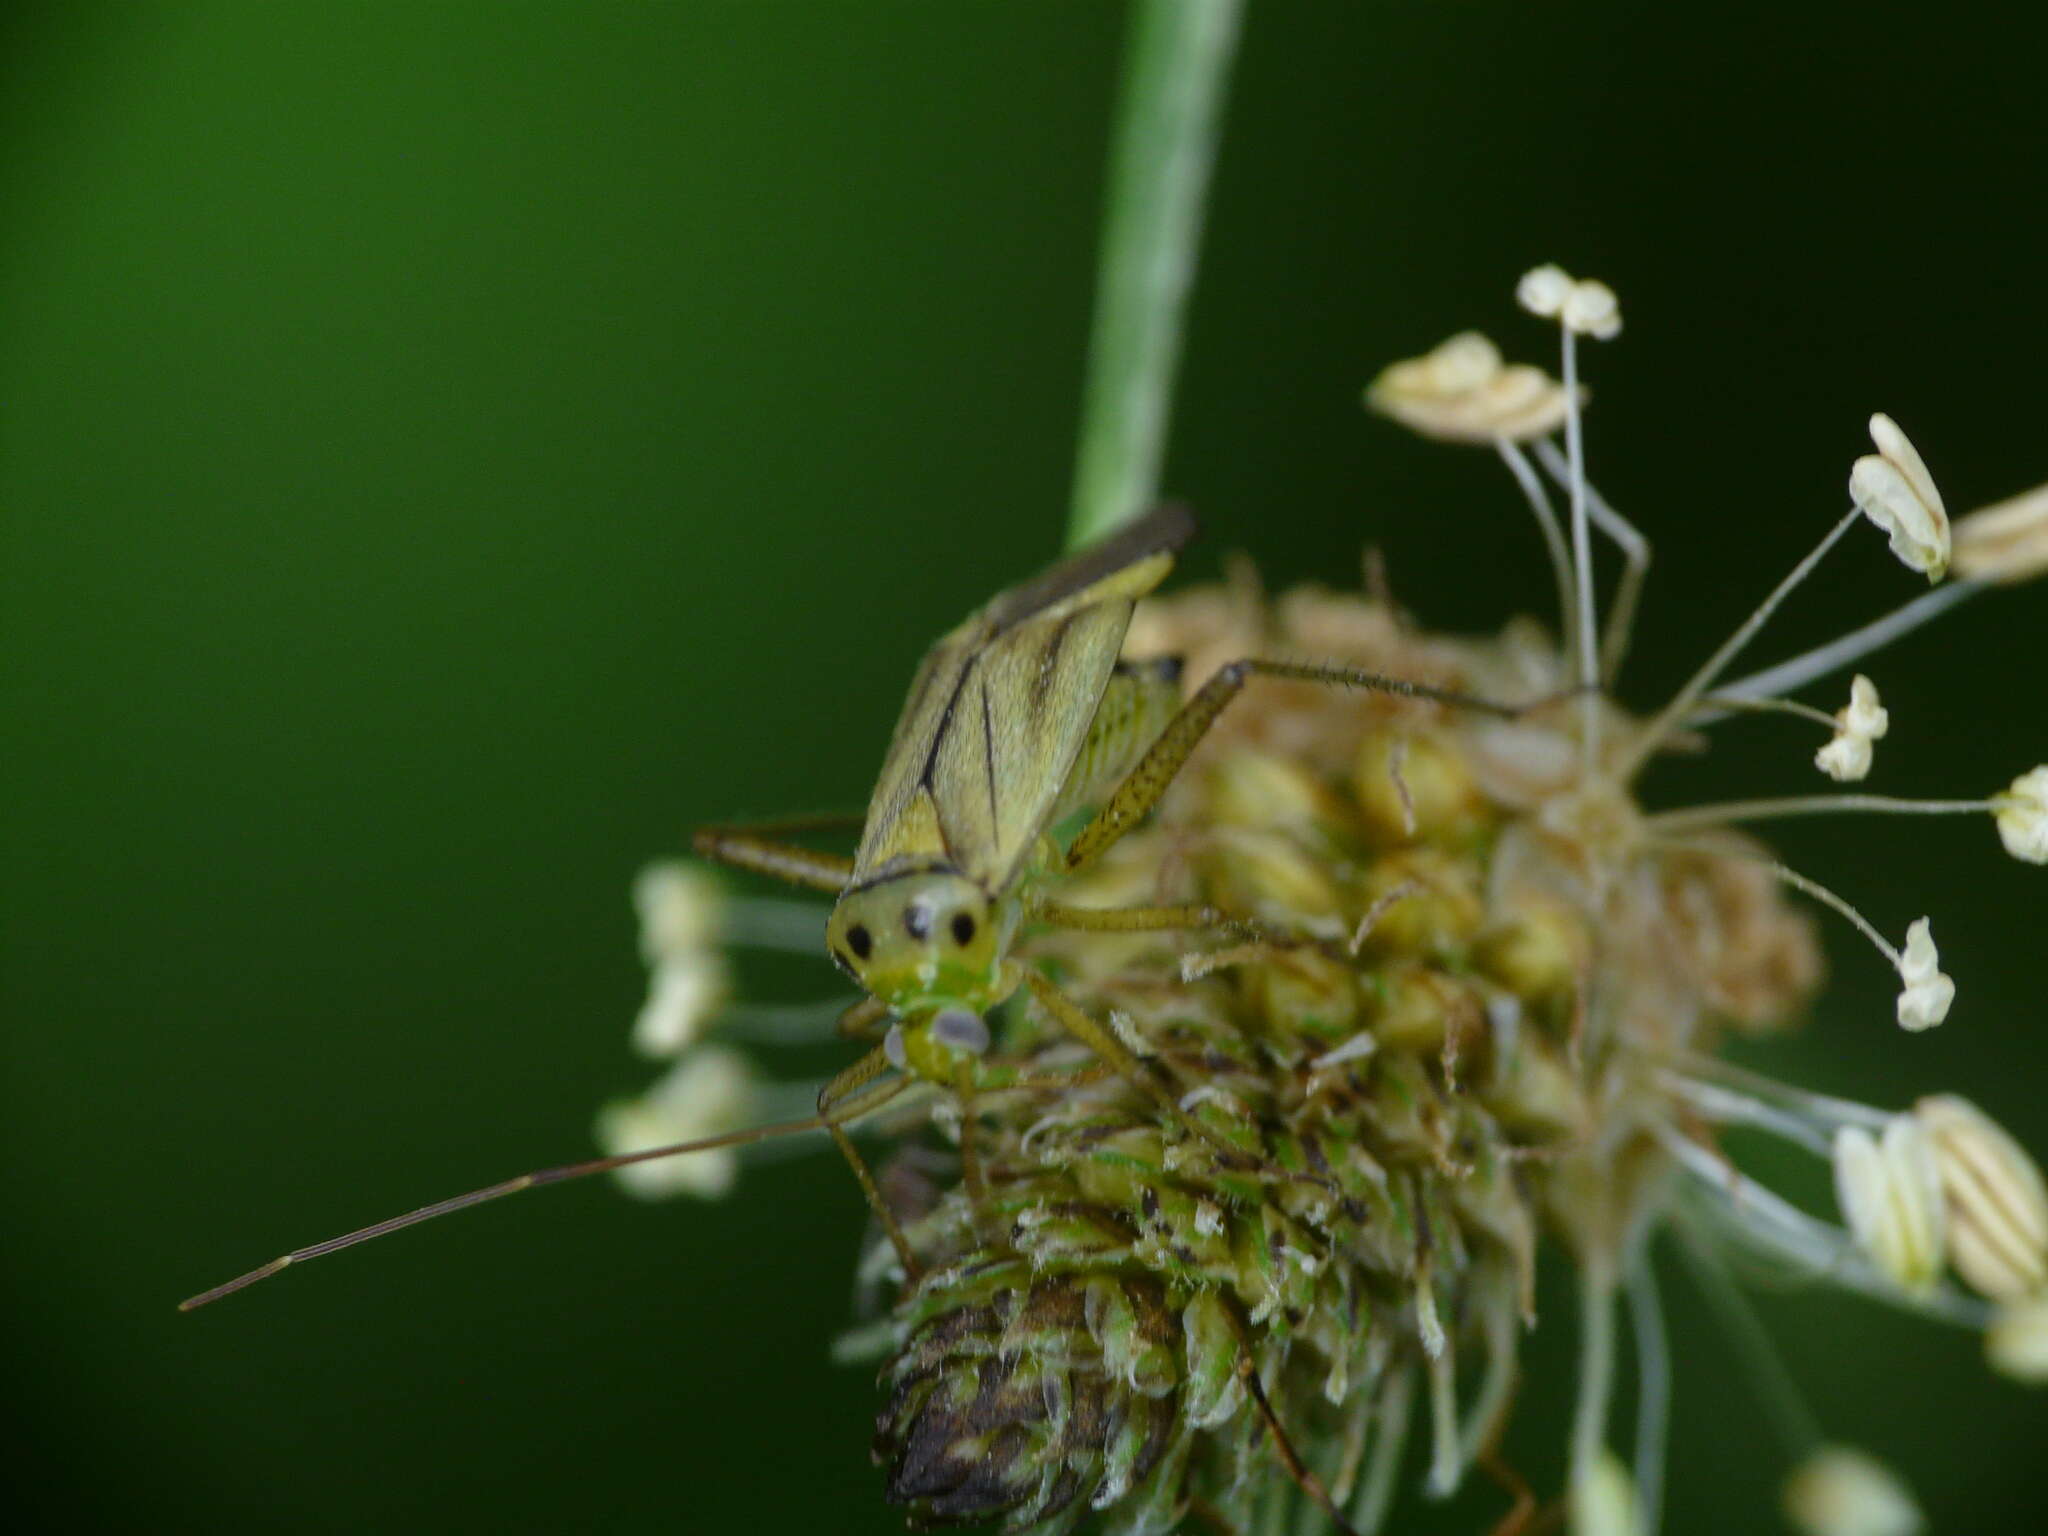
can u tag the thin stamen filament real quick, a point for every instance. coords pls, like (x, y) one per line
(1682, 704)
(1821, 893)
(1798, 1430)
(1804, 668)
(1546, 520)
(1727, 812)
(1653, 1393)
(1596, 1363)
(765, 922)
(1820, 1106)
(1582, 558)
(1723, 704)
(1727, 1106)
(1635, 553)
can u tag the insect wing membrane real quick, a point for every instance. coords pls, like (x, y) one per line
(1021, 718)
(976, 787)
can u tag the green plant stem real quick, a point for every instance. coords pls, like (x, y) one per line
(1176, 65)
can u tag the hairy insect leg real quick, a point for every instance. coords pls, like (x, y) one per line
(749, 848)
(1191, 916)
(970, 1151)
(1143, 786)
(1076, 1021)
(842, 1088)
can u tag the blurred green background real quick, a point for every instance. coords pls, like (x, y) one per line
(447, 450)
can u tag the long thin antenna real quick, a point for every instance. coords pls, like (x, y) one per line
(880, 1095)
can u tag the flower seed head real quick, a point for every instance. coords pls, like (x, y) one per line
(2005, 542)
(1890, 1195)
(1997, 1202)
(2022, 815)
(1924, 1000)
(2016, 1344)
(1894, 490)
(1841, 1491)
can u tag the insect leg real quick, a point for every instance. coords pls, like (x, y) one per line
(1075, 1020)
(1143, 786)
(1150, 919)
(746, 848)
(842, 1088)
(864, 1020)
(1297, 1469)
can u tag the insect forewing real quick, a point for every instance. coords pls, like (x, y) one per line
(1001, 706)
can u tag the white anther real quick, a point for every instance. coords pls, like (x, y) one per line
(1543, 290)
(709, 1092)
(1461, 393)
(1847, 757)
(1924, 1000)
(2016, 1343)
(1840, 1491)
(685, 993)
(1997, 1200)
(1591, 309)
(1890, 1197)
(2022, 816)
(2004, 542)
(1893, 489)
(681, 907)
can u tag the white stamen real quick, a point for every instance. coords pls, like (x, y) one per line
(1839, 1491)
(2006, 542)
(1543, 290)
(1924, 1000)
(1864, 721)
(1603, 1500)
(1591, 309)
(1997, 1201)
(684, 995)
(1893, 489)
(2022, 814)
(1635, 555)
(1890, 1197)
(711, 1091)
(1546, 521)
(2016, 1343)
(1808, 666)
(1653, 1393)
(1681, 705)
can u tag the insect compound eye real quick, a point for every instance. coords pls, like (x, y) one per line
(963, 927)
(860, 941)
(917, 920)
(961, 1029)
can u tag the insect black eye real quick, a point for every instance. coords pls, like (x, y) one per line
(963, 927)
(860, 940)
